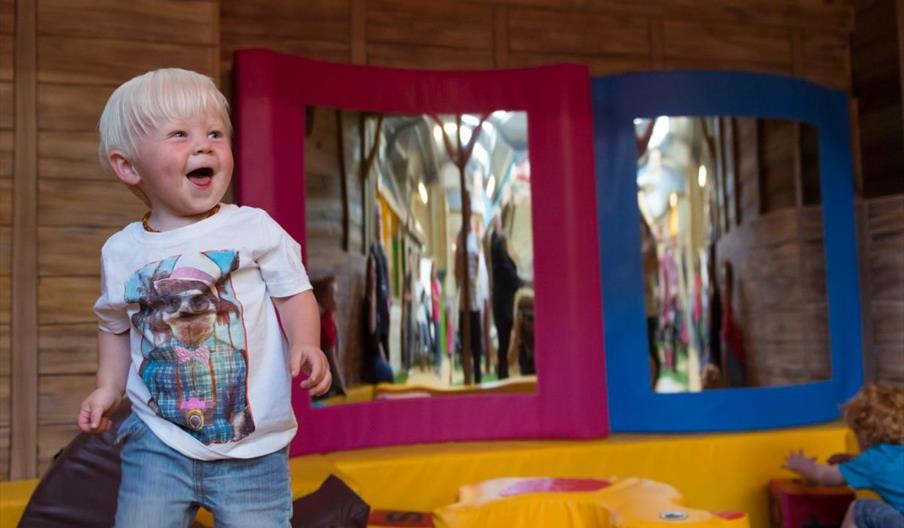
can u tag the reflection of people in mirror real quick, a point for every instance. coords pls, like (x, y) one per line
(477, 293)
(651, 292)
(376, 309)
(506, 282)
(436, 314)
(876, 415)
(521, 348)
(326, 291)
(734, 361)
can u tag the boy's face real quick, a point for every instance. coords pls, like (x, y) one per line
(183, 166)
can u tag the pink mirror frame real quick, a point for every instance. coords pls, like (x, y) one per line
(271, 93)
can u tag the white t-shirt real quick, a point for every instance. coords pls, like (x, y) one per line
(209, 373)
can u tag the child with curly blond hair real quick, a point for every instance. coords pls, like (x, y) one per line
(876, 415)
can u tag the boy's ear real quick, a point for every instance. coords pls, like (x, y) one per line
(123, 168)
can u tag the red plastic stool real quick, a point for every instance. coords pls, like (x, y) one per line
(794, 503)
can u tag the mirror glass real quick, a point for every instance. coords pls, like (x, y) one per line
(390, 201)
(732, 252)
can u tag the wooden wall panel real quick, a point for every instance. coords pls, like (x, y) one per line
(185, 22)
(884, 263)
(65, 59)
(70, 155)
(63, 250)
(428, 57)
(549, 31)
(68, 349)
(6, 104)
(877, 73)
(75, 203)
(720, 42)
(67, 107)
(67, 299)
(457, 25)
(6, 154)
(312, 20)
(598, 64)
(6, 56)
(826, 59)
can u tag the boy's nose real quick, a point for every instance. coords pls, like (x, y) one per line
(203, 146)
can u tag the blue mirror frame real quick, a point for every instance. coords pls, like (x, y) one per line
(634, 407)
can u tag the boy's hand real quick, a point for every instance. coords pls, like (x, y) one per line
(314, 363)
(92, 417)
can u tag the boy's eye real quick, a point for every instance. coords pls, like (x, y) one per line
(216, 134)
(178, 133)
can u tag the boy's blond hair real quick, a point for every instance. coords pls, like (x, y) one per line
(876, 414)
(141, 103)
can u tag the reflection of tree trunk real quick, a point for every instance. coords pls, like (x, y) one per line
(367, 161)
(460, 157)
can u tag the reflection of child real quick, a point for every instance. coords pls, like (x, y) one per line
(326, 291)
(187, 320)
(876, 415)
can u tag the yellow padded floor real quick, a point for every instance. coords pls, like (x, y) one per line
(712, 471)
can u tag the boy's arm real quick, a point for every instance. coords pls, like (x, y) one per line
(300, 319)
(813, 471)
(113, 360)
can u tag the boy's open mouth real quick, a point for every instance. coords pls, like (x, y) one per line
(201, 176)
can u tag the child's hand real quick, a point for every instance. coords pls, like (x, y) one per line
(313, 361)
(92, 417)
(799, 463)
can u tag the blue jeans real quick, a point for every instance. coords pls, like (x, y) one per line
(162, 488)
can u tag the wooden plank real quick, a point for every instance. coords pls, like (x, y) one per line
(68, 348)
(67, 300)
(890, 368)
(778, 13)
(4, 451)
(358, 31)
(5, 297)
(176, 21)
(598, 64)
(68, 251)
(324, 20)
(74, 202)
(52, 438)
(70, 155)
(501, 36)
(657, 46)
(4, 352)
(827, 59)
(449, 24)
(6, 104)
(4, 401)
(548, 31)
(6, 154)
(6, 202)
(430, 58)
(77, 108)
(7, 25)
(59, 397)
(5, 250)
(23, 340)
(887, 327)
(316, 49)
(112, 62)
(6, 56)
(726, 42)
